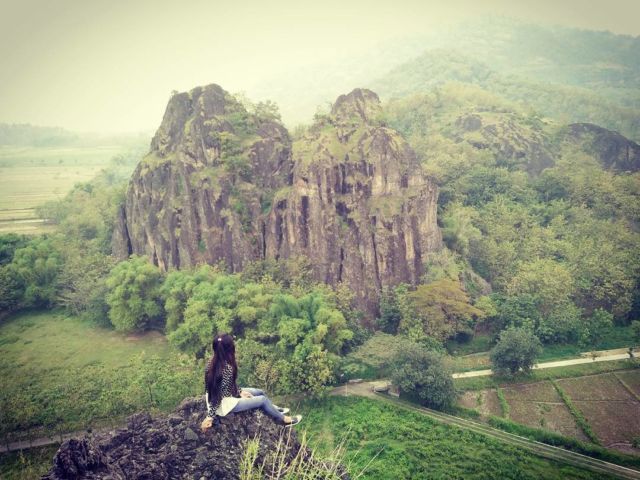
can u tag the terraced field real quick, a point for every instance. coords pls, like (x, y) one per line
(30, 176)
(609, 402)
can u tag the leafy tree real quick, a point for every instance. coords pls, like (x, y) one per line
(517, 311)
(595, 327)
(343, 297)
(458, 228)
(309, 369)
(443, 308)
(259, 364)
(390, 314)
(9, 243)
(195, 333)
(178, 287)
(551, 285)
(11, 288)
(308, 317)
(421, 374)
(38, 265)
(517, 349)
(82, 285)
(603, 260)
(134, 294)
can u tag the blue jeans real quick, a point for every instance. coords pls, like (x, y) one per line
(259, 400)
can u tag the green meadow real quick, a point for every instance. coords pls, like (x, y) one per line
(62, 374)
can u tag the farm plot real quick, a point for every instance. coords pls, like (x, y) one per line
(630, 379)
(538, 405)
(484, 401)
(611, 410)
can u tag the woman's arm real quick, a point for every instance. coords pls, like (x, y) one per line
(210, 412)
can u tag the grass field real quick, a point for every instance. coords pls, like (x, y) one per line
(52, 339)
(26, 465)
(30, 176)
(405, 445)
(62, 374)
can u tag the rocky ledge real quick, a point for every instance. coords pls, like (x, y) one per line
(173, 447)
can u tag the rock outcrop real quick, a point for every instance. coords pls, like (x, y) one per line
(614, 151)
(223, 183)
(512, 140)
(173, 447)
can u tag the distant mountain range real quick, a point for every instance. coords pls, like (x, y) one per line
(564, 73)
(30, 135)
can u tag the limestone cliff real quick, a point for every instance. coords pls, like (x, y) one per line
(359, 206)
(222, 183)
(199, 195)
(172, 447)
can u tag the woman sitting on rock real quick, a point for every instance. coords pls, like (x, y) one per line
(222, 394)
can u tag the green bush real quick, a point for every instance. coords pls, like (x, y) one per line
(134, 294)
(421, 375)
(516, 350)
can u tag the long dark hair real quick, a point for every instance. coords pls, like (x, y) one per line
(224, 352)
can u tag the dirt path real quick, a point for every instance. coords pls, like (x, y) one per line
(42, 441)
(558, 363)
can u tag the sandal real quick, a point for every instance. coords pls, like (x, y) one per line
(282, 410)
(294, 421)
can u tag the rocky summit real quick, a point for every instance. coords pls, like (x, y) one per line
(173, 447)
(224, 183)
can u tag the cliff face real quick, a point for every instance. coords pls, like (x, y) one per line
(199, 195)
(221, 183)
(360, 206)
(173, 446)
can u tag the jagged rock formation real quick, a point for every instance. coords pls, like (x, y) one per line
(614, 151)
(173, 447)
(222, 183)
(359, 206)
(199, 195)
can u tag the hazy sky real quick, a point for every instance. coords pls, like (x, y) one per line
(95, 65)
